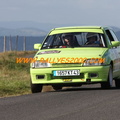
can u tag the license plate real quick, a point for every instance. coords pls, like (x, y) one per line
(67, 80)
(66, 73)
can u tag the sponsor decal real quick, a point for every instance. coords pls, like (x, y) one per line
(61, 60)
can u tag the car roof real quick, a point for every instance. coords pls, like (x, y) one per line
(97, 29)
(83, 27)
(79, 27)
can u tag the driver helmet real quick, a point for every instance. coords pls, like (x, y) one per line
(92, 35)
(67, 36)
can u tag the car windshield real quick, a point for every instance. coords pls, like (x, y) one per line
(70, 40)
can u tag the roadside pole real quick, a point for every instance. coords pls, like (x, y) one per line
(4, 49)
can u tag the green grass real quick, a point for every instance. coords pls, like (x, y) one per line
(14, 77)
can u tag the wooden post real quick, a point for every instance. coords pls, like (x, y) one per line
(4, 49)
(24, 44)
(16, 43)
(10, 43)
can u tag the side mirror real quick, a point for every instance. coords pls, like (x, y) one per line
(37, 46)
(115, 43)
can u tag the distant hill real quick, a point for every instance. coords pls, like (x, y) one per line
(117, 32)
(118, 35)
(29, 24)
(31, 28)
(22, 32)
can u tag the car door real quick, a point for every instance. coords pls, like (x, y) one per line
(116, 51)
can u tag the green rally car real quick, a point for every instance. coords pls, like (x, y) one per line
(73, 56)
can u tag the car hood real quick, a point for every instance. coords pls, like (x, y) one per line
(72, 52)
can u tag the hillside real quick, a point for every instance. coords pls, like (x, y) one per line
(22, 32)
(28, 28)
(117, 32)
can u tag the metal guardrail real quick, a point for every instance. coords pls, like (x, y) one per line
(10, 44)
(19, 43)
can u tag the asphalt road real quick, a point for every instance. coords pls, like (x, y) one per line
(86, 103)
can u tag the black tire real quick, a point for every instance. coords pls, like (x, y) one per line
(56, 87)
(117, 83)
(109, 83)
(36, 88)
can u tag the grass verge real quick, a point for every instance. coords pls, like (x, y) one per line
(14, 77)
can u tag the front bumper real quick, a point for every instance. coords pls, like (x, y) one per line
(92, 74)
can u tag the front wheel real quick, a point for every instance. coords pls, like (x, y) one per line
(117, 83)
(35, 88)
(109, 82)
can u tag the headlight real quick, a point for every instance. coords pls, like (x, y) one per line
(38, 64)
(92, 62)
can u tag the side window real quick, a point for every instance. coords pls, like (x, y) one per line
(110, 35)
(114, 36)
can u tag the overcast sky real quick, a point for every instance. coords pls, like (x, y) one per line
(74, 12)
